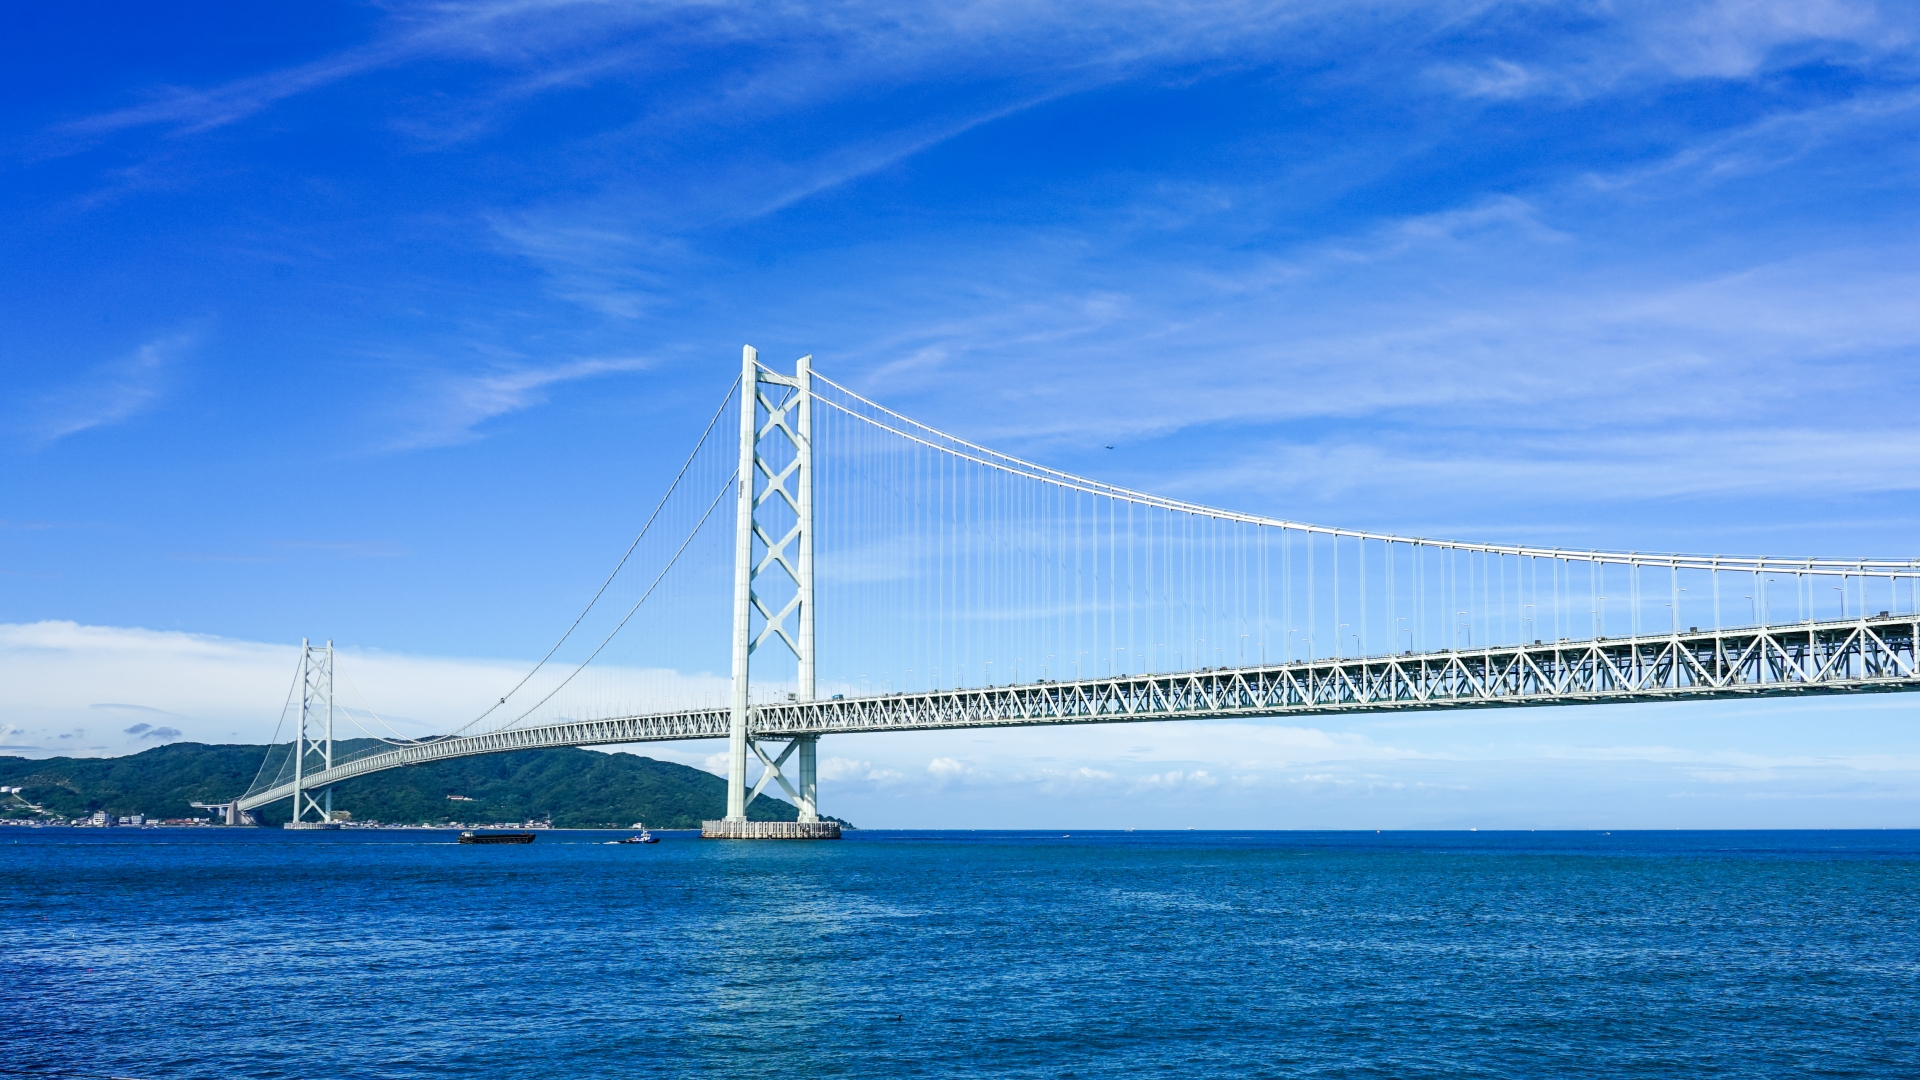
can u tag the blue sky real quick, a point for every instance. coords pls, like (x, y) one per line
(386, 323)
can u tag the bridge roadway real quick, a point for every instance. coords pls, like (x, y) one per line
(1849, 656)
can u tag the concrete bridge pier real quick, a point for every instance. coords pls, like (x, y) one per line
(770, 830)
(805, 797)
(228, 813)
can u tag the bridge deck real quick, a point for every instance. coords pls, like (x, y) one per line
(1851, 656)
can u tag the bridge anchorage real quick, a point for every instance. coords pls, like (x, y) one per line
(966, 588)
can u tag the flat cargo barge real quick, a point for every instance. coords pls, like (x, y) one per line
(496, 838)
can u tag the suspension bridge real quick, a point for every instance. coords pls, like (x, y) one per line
(887, 576)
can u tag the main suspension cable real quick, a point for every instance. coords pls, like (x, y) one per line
(282, 722)
(575, 625)
(684, 544)
(960, 448)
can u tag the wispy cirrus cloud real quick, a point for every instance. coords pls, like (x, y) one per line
(1494, 78)
(541, 45)
(1516, 304)
(600, 259)
(1595, 468)
(110, 393)
(1768, 144)
(800, 55)
(1734, 38)
(456, 405)
(622, 253)
(502, 32)
(1629, 45)
(303, 550)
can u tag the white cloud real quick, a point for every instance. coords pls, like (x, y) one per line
(63, 678)
(837, 770)
(1174, 778)
(1510, 768)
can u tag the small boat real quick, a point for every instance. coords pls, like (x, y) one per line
(471, 837)
(644, 837)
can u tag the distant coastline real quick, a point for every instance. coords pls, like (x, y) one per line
(562, 788)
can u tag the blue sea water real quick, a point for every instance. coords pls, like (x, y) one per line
(259, 953)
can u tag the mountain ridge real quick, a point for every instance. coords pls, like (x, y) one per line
(567, 786)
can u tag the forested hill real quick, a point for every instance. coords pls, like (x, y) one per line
(571, 787)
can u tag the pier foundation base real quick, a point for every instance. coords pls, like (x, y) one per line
(770, 830)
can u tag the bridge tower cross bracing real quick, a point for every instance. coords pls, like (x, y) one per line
(789, 555)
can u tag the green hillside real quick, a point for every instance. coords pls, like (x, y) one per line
(571, 787)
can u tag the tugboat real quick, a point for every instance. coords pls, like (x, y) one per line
(471, 837)
(644, 837)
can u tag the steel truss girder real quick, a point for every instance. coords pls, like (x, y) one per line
(1841, 657)
(690, 724)
(1846, 657)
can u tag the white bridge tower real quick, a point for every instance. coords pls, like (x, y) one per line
(773, 578)
(310, 754)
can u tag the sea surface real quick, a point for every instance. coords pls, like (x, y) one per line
(261, 953)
